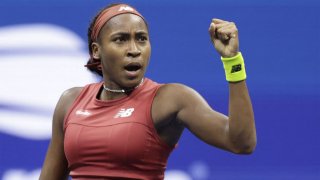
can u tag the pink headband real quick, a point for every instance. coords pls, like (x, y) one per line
(109, 13)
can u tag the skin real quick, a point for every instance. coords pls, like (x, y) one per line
(175, 106)
(121, 44)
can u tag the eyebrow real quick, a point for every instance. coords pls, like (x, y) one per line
(140, 32)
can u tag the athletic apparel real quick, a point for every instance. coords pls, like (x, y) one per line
(116, 138)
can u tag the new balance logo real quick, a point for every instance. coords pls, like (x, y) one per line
(125, 8)
(124, 113)
(236, 68)
(83, 112)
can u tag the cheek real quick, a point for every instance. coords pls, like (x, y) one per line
(147, 51)
(109, 61)
(111, 54)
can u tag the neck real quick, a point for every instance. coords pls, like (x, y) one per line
(113, 93)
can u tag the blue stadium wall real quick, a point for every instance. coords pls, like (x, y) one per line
(279, 41)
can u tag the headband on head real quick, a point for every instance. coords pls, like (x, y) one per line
(109, 13)
(102, 19)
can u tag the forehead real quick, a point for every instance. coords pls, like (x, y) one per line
(125, 22)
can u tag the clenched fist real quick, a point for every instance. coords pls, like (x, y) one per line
(224, 36)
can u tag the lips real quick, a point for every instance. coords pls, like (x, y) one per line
(133, 66)
(132, 69)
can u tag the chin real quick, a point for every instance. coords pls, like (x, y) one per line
(132, 82)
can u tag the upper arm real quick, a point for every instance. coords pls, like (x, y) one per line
(195, 113)
(55, 165)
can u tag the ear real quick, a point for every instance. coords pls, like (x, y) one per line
(95, 50)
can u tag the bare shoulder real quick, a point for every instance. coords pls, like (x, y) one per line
(169, 107)
(69, 95)
(174, 97)
(175, 89)
(66, 100)
(178, 93)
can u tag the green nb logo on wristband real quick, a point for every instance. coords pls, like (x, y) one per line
(236, 68)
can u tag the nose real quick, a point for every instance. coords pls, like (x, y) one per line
(133, 50)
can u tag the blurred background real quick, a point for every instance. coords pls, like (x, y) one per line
(43, 46)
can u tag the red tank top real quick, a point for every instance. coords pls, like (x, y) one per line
(116, 138)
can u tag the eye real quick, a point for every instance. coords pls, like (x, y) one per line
(142, 38)
(119, 39)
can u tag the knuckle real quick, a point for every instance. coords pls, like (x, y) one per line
(233, 24)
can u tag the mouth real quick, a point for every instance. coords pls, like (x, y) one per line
(133, 69)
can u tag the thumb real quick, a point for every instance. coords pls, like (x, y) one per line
(212, 31)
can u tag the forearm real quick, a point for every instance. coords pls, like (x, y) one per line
(242, 132)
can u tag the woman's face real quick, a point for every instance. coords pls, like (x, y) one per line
(124, 50)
